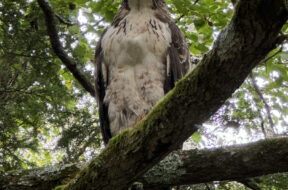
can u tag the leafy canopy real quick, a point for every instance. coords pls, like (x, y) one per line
(47, 117)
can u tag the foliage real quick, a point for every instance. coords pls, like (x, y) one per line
(46, 116)
(38, 96)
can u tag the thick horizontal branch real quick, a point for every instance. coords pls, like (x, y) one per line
(247, 39)
(38, 179)
(220, 164)
(69, 62)
(178, 168)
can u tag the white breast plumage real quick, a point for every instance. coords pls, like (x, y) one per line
(134, 56)
(137, 60)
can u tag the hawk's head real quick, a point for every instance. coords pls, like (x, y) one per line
(141, 4)
(159, 6)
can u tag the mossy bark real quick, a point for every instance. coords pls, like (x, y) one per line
(178, 168)
(219, 164)
(45, 178)
(251, 34)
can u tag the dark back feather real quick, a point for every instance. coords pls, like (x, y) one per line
(100, 87)
(178, 52)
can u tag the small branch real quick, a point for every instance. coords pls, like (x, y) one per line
(282, 38)
(98, 22)
(95, 25)
(262, 125)
(63, 21)
(273, 55)
(262, 122)
(70, 63)
(266, 106)
(195, 2)
(89, 142)
(234, 2)
(179, 18)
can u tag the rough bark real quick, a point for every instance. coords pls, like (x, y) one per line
(178, 168)
(38, 179)
(250, 35)
(220, 164)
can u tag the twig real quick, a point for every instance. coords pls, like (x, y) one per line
(196, 1)
(93, 25)
(266, 106)
(63, 21)
(262, 126)
(262, 122)
(234, 2)
(282, 38)
(273, 55)
(179, 18)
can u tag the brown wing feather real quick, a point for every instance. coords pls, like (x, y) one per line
(100, 85)
(100, 82)
(178, 52)
(123, 11)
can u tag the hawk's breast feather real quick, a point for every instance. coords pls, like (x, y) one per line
(135, 55)
(138, 59)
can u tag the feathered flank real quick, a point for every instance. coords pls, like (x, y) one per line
(100, 87)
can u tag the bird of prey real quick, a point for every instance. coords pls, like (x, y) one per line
(138, 59)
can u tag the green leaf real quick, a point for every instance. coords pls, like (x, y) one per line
(195, 51)
(196, 137)
(202, 48)
(284, 56)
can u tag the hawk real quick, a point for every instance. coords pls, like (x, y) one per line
(138, 59)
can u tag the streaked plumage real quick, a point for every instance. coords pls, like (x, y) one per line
(138, 59)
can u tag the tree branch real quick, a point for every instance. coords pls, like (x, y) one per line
(246, 40)
(69, 62)
(63, 21)
(266, 106)
(178, 168)
(220, 164)
(270, 57)
(38, 179)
